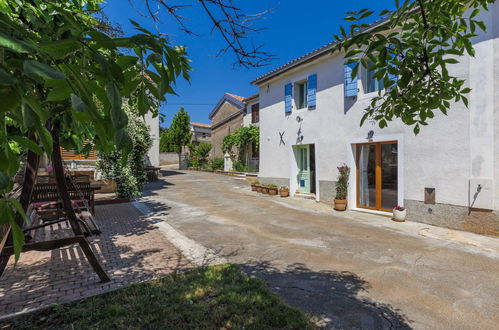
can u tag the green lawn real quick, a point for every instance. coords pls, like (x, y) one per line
(216, 297)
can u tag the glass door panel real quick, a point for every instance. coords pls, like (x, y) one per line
(367, 175)
(377, 175)
(303, 162)
(389, 176)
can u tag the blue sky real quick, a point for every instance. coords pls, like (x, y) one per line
(292, 29)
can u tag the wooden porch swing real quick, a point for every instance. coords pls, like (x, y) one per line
(80, 224)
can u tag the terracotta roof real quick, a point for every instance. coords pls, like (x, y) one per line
(326, 49)
(250, 98)
(237, 97)
(201, 125)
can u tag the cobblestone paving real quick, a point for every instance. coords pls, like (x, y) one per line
(130, 248)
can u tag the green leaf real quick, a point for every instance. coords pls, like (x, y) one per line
(15, 45)
(121, 138)
(46, 138)
(41, 70)
(29, 116)
(13, 161)
(17, 205)
(5, 78)
(118, 116)
(5, 182)
(60, 49)
(28, 144)
(77, 103)
(18, 237)
(60, 92)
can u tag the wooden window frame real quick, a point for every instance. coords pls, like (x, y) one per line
(378, 174)
(255, 114)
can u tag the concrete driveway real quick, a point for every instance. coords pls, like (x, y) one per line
(343, 269)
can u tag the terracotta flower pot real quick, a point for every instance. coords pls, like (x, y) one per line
(340, 204)
(253, 187)
(399, 215)
(265, 190)
(284, 192)
(272, 191)
(259, 188)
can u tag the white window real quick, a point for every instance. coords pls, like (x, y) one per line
(301, 94)
(370, 83)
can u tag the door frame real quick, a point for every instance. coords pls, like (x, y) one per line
(299, 160)
(377, 171)
(293, 168)
(353, 190)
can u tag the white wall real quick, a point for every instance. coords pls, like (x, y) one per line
(247, 114)
(449, 154)
(153, 153)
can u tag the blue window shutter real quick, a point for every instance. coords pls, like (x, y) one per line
(288, 97)
(312, 91)
(351, 88)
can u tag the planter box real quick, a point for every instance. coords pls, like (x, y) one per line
(399, 215)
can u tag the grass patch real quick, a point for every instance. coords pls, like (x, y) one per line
(215, 297)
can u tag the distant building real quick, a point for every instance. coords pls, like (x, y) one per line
(226, 117)
(252, 117)
(200, 133)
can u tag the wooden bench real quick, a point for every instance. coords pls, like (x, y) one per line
(83, 192)
(152, 173)
(43, 235)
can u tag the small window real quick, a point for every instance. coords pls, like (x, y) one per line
(254, 151)
(255, 113)
(370, 83)
(301, 94)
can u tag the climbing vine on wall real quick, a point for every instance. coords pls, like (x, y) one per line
(241, 138)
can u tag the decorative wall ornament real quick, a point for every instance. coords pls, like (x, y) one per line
(281, 137)
(370, 135)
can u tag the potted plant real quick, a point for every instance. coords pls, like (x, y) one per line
(259, 187)
(254, 185)
(340, 201)
(284, 191)
(272, 189)
(399, 213)
(265, 189)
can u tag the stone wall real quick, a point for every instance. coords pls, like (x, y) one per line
(168, 158)
(218, 133)
(453, 216)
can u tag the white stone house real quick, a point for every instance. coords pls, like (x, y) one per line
(310, 112)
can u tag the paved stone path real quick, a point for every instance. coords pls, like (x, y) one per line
(343, 269)
(130, 248)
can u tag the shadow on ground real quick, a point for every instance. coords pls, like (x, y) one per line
(130, 250)
(333, 299)
(170, 173)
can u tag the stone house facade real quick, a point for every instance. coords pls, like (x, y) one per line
(226, 117)
(200, 133)
(447, 175)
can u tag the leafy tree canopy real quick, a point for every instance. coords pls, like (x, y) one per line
(59, 71)
(411, 53)
(180, 129)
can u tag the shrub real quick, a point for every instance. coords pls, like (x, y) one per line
(239, 166)
(129, 174)
(217, 164)
(342, 182)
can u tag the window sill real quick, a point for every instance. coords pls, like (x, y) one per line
(370, 95)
